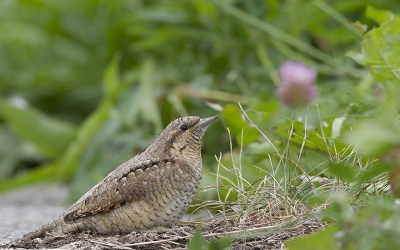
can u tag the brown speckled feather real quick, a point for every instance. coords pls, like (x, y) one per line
(152, 189)
(127, 183)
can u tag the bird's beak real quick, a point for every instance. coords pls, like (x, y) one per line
(202, 126)
(204, 123)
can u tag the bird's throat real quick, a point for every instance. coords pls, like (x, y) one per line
(190, 153)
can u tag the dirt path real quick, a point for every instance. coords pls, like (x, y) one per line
(27, 208)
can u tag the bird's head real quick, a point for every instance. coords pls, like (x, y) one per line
(183, 137)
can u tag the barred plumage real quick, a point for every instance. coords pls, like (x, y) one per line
(152, 189)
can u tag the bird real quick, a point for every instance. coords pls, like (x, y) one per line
(151, 190)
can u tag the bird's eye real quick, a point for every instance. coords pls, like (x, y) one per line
(184, 127)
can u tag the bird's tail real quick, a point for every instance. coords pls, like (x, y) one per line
(41, 231)
(23, 242)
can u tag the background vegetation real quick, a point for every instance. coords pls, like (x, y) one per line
(85, 85)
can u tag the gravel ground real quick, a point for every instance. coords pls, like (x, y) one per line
(23, 210)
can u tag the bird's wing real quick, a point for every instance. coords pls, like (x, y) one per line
(127, 183)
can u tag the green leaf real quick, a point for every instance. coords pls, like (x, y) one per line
(220, 244)
(111, 81)
(339, 210)
(320, 240)
(374, 173)
(235, 123)
(41, 173)
(337, 125)
(374, 136)
(380, 50)
(313, 135)
(70, 159)
(148, 99)
(379, 16)
(395, 182)
(49, 135)
(261, 149)
(342, 170)
(362, 28)
(10, 152)
(197, 241)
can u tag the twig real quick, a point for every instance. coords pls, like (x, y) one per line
(109, 244)
(159, 241)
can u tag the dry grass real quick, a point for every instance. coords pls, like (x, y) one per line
(258, 235)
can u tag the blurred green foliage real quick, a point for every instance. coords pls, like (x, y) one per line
(198, 241)
(85, 85)
(371, 224)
